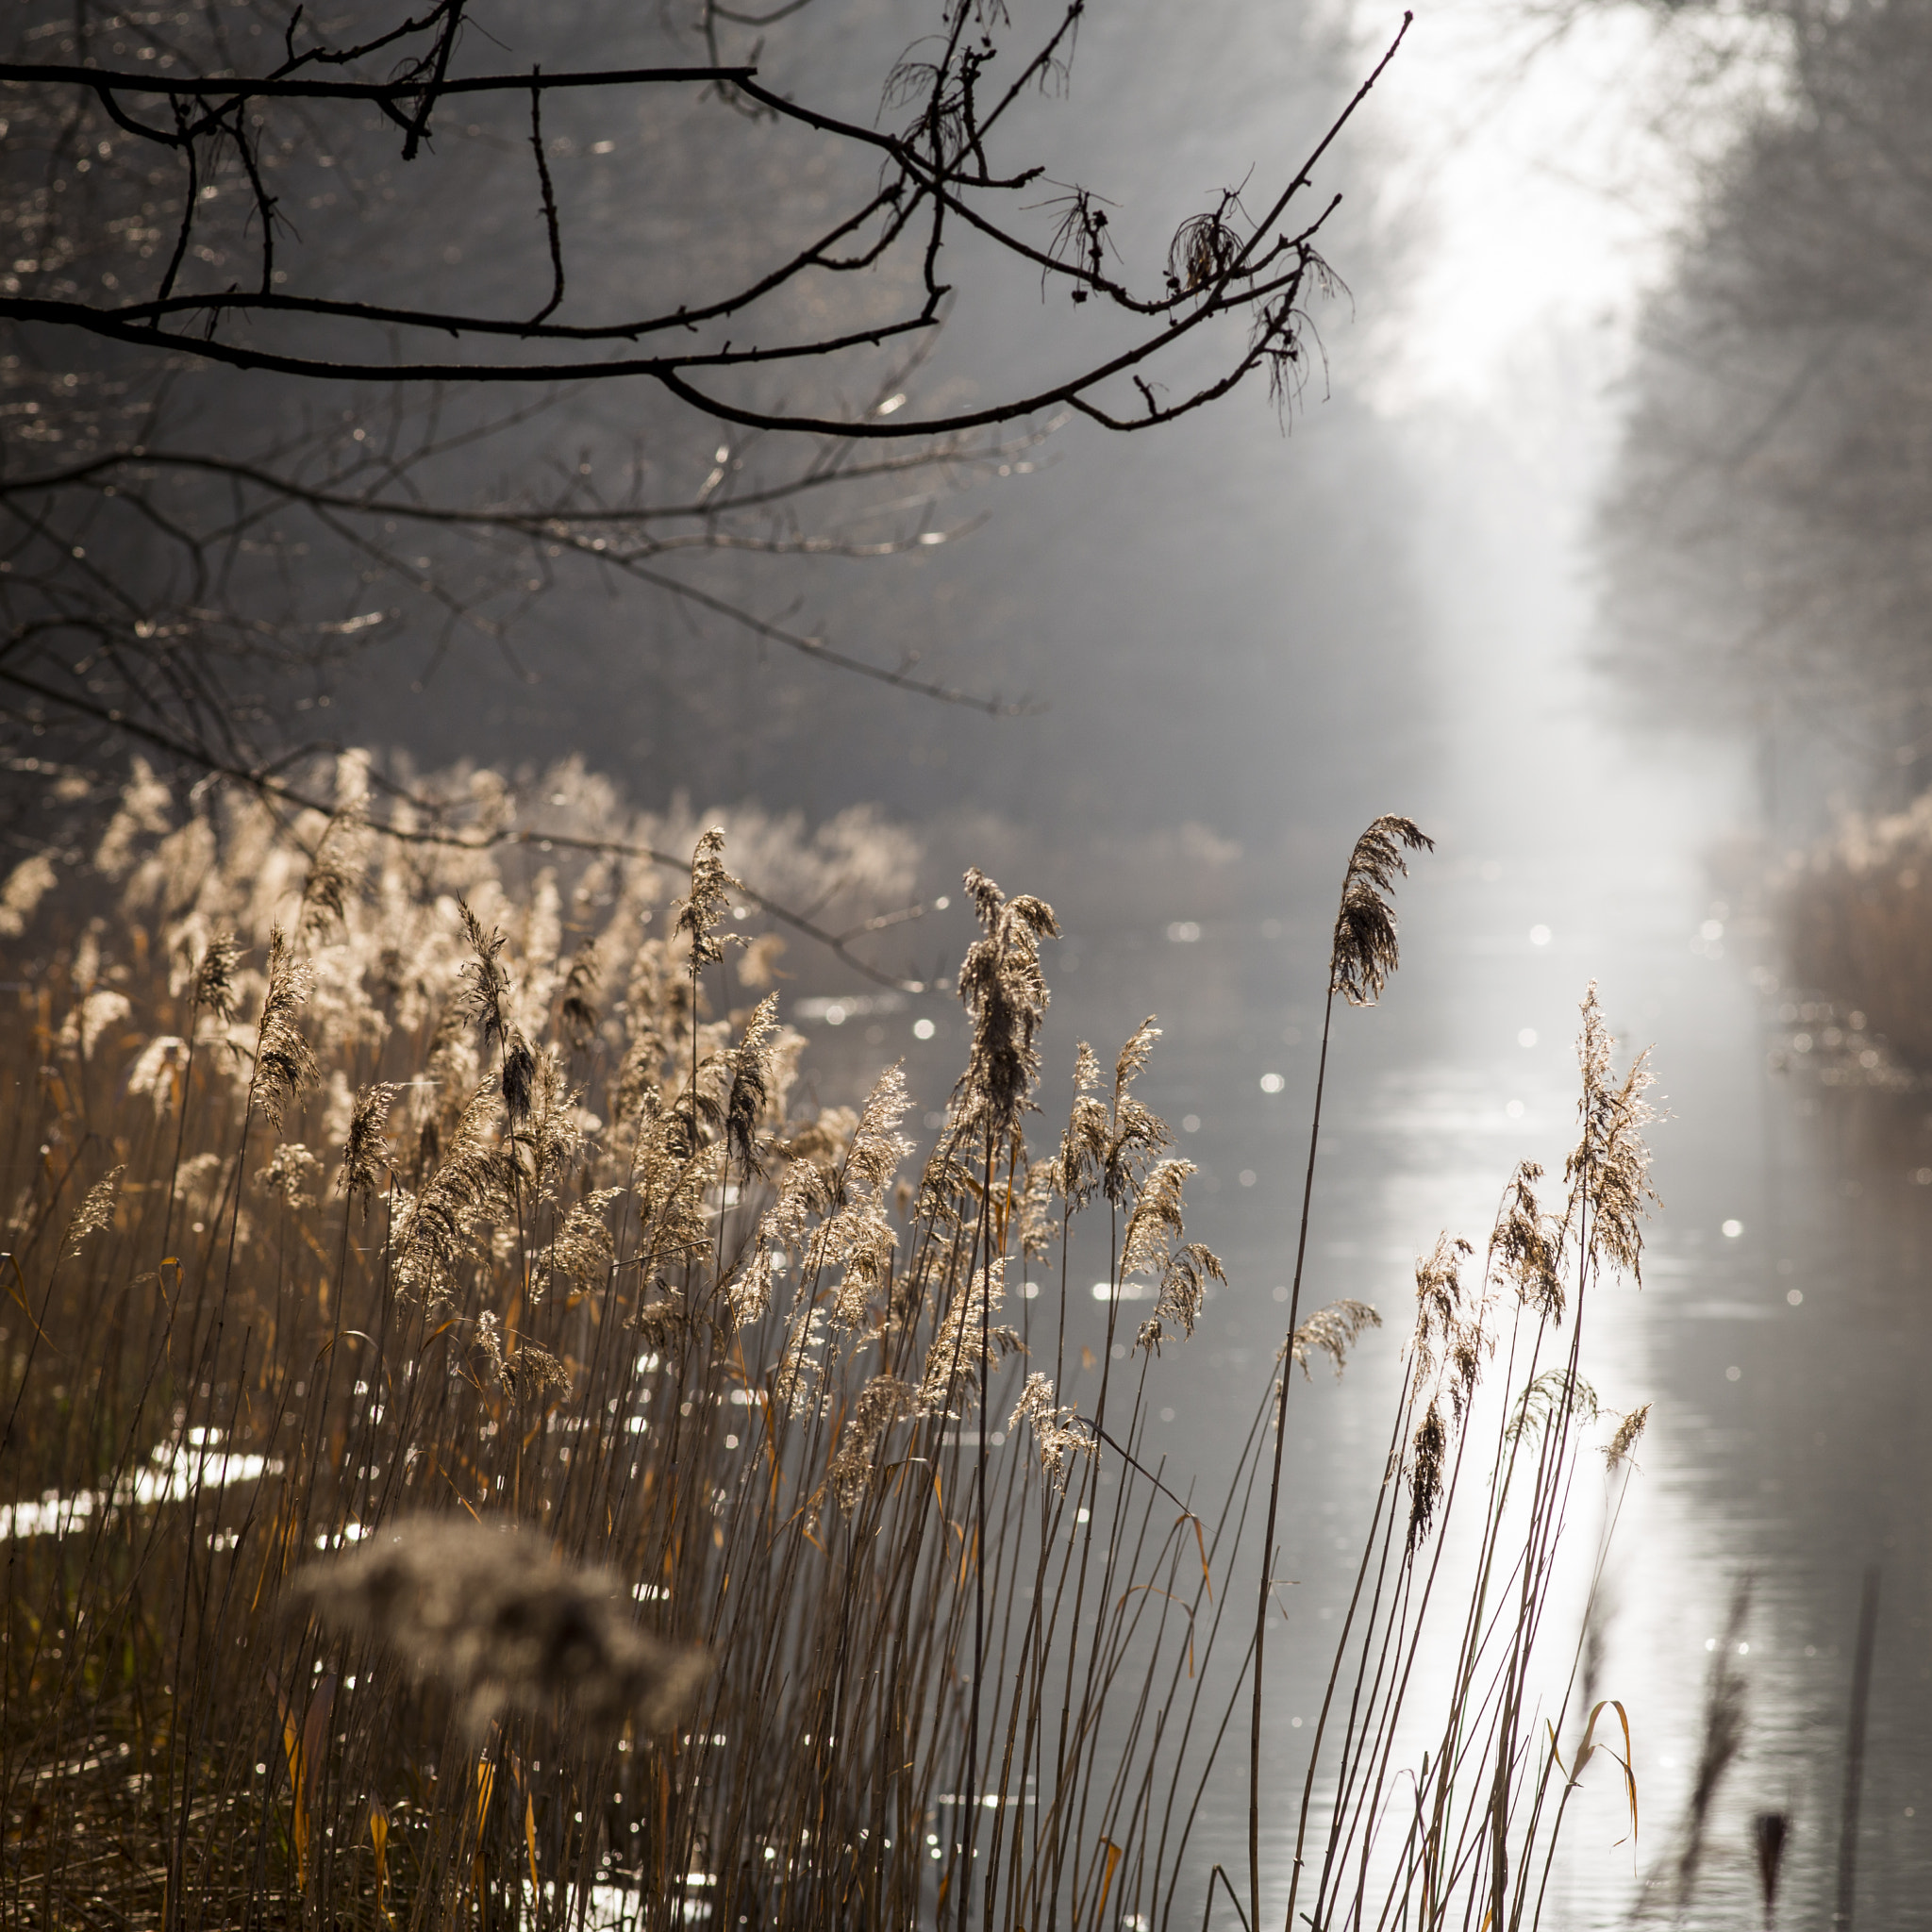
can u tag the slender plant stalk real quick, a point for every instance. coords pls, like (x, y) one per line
(1269, 1519)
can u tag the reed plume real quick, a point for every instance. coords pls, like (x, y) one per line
(1629, 1429)
(490, 1610)
(284, 1062)
(702, 910)
(96, 1212)
(1058, 1432)
(882, 1402)
(1362, 953)
(26, 885)
(365, 1152)
(1528, 1246)
(1332, 1331)
(290, 1174)
(1003, 988)
(1365, 953)
(1608, 1169)
(578, 1014)
(485, 984)
(966, 1341)
(335, 877)
(214, 978)
(436, 1230)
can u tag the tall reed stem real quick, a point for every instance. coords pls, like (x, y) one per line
(1295, 1303)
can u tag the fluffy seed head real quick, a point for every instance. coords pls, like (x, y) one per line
(470, 1184)
(1331, 1331)
(366, 1151)
(1364, 952)
(96, 1212)
(578, 1015)
(485, 984)
(883, 1401)
(489, 1609)
(1553, 1396)
(1057, 1432)
(335, 875)
(290, 1174)
(711, 886)
(214, 978)
(1629, 1427)
(1426, 1475)
(964, 1337)
(1608, 1170)
(284, 1063)
(1002, 987)
(1526, 1247)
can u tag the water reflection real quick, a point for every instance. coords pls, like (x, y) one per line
(174, 1472)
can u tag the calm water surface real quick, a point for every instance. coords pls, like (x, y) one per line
(1778, 1331)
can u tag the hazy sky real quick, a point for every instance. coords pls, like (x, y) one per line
(1546, 171)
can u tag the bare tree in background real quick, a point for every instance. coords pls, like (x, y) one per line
(328, 334)
(1771, 529)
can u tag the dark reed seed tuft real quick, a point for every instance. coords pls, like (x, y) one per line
(1002, 987)
(1365, 953)
(214, 976)
(365, 1153)
(284, 1062)
(519, 1074)
(1426, 1475)
(748, 1091)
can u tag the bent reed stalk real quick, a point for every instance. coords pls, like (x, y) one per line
(481, 1452)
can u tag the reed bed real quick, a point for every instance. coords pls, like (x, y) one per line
(481, 1449)
(1856, 918)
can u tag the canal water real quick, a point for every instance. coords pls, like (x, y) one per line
(1778, 1329)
